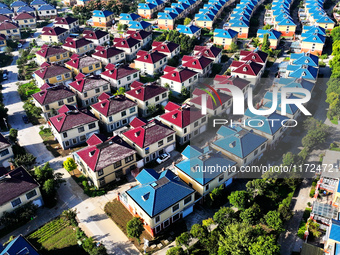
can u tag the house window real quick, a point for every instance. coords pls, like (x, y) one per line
(157, 98)
(166, 223)
(164, 95)
(65, 55)
(196, 132)
(123, 113)
(81, 129)
(70, 100)
(160, 143)
(124, 122)
(31, 194)
(187, 200)
(47, 107)
(67, 143)
(65, 134)
(110, 119)
(185, 130)
(204, 119)
(85, 94)
(82, 138)
(175, 217)
(4, 152)
(92, 125)
(263, 147)
(147, 150)
(117, 164)
(135, 75)
(196, 124)
(102, 182)
(132, 110)
(255, 153)
(175, 208)
(157, 219)
(60, 103)
(97, 65)
(59, 77)
(207, 187)
(16, 202)
(129, 159)
(100, 172)
(105, 87)
(97, 90)
(221, 178)
(128, 78)
(90, 68)
(170, 138)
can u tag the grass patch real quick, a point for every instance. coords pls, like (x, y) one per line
(146, 79)
(334, 121)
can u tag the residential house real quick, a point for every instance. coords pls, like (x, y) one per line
(210, 52)
(69, 23)
(102, 18)
(10, 30)
(286, 26)
(3, 42)
(115, 112)
(332, 239)
(140, 25)
(155, 201)
(6, 152)
(17, 245)
(79, 46)
(236, 81)
(37, 3)
(125, 18)
(186, 120)
(7, 12)
(98, 37)
(225, 37)
(204, 20)
(4, 17)
(147, 11)
(25, 20)
(52, 54)
(18, 188)
(240, 145)
(167, 20)
(249, 70)
(84, 64)
(274, 37)
(312, 43)
(199, 64)
(256, 56)
(143, 36)
(306, 72)
(17, 4)
(109, 55)
(179, 78)
(52, 98)
(240, 25)
(120, 76)
(89, 88)
(147, 97)
(54, 34)
(47, 11)
(72, 127)
(52, 74)
(151, 140)
(159, 3)
(193, 169)
(170, 49)
(26, 9)
(130, 45)
(150, 62)
(81, 2)
(105, 161)
(189, 30)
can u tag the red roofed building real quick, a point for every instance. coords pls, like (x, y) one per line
(51, 99)
(256, 56)
(54, 34)
(130, 45)
(52, 74)
(199, 64)
(72, 126)
(84, 64)
(170, 49)
(249, 70)
(150, 62)
(186, 120)
(78, 46)
(179, 78)
(145, 37)
(137, 122)
(10, 30)
(148, 97)
(69, 23)
(210, 52)
(151, 140)
(106, 161)
(52, 54)
(109, 55)
(115, 112)
(242, 84)
(98, 37)
(25, 19)
(89, 88)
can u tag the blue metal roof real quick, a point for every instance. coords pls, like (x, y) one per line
(279, 10)
(204, 17)
(176, 10)
(139, 24)
(170, 15)
(272, 34)
(282, 16)
(304, 59)
(238, 141)
(157, 192)
(307, 72)
(238, 23)
(46, 7)
(100, 13)
(198, 164)
(144, 6)
(335, 230)
(225, 33)
(287, 22)
(181, 6)
(290, 108)
(2, 5)
(155, 2)
(129, 16)
(297, 83)
(37, 2)
(18, 246)
(212, 12)
(26, 9)
(18, 4)
(238, 16)
(314, 29)
(5, 11)
(325, 19)
(190, 30)
(313, 38)
(241, 12)
(267, 124)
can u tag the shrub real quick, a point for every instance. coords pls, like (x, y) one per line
(312, 192)
(20, 215)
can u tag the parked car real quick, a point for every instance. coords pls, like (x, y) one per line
(4, 74)
(19, 45)
(25, 119)
(162, 158)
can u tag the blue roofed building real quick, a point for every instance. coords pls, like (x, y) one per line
(304, 58)
(203, 169)
(332, 242)
(102, 18)
(26, 9)
(140, 25)
(239, 144)
(225, 37)
(2, 5)
(125, 18)
(159, 199)
(19, 246)
(295, 83)
(314, 29)
(7, 12)
(147, 11)
(189, 30)
(312, 42)
(306, 72)
(47, 11)
(37, 3)
(274, 37)
(17, 4)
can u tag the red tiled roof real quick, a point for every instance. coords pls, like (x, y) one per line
(257, 56)
(4, 17)
(88, 83)
(232, 80)
(96, 139)
(104, 154)
(53, 31)
(64, 21)
(24, 15)
(148, 134)
(146, 92)
(136, 84)
(210, 103)
(168, 69)
(137, 122)
(183, 116)
(171, 106)
(249, 68)
(52, 94)
(51, 51)
(107, 53)
(113, 105)
(104, 96)
(51, 71)
(119, 72)
(207, 51)
(68, 120)
(8, 25)
(82, 62)
(125, 42)
(45, 86)
(76, 43)
(179, 75)
(139, 35)
(166, 46)
(97, 34)
(150, 58)
(196, 62)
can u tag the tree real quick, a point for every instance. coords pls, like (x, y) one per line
(187, 21)
(175, 251)
(70, 215)
(224, 216)
(216, 193)
(267, 27)
(273, 220)
(120, 91)
(233, 47)
(8, 49)
(184, 92)
(240, 199)
(135, 228)
(26, 160)
(257, 187)
(251, 215)
(49, 187)
(335, 33)
(69, 164)
(13, 134)
(207, 223)
(152, 108)
(120, 27)
(265, 43)
(264, 245)
(183, 239)
(289, 159)
(198, 231)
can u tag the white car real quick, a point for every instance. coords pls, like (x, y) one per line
(162, 158)
(19, 45)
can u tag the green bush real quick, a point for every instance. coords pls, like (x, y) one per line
(20, 215)
(312, 192)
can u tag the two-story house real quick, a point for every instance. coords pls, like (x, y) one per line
(54, 34)
(210, 52)
(225, 37)
(115, 112)
(25, 20)
(17, 4)
(47, 11)
(37, 3)
(147, 96)
(73, 126)
(84, 64)
(150, 62)
(170, 49)
(52, 74)
(6, 152)
(105, 161)
(52, 98)
(186, 120)
(102, 18)
(89, 88)
(130, 45)
(69, 23)
(52, 54)
(79, 46)
(98, 37)
(199, 64)
(143, 36)
(125, 18)
(109, 55)
(10, 30)
(249, 70)
(151, 140)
